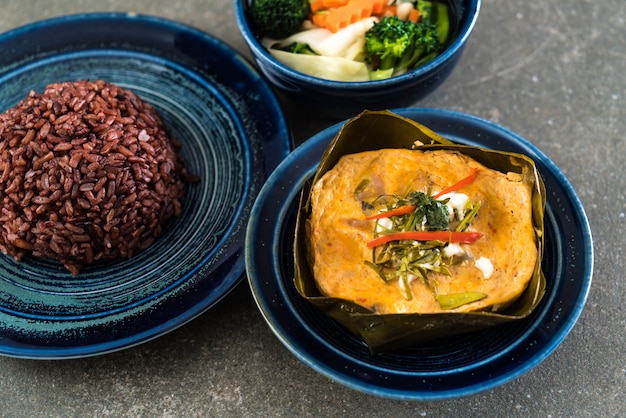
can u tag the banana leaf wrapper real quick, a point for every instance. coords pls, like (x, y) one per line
(390, 332)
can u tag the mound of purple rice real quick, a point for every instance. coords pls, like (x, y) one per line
(87, 172)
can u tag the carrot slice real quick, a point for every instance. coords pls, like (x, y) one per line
(343, 12)
(319, 19)
(317, 5)
(335, 3)
(388, 10)
(414, 15)
(378, 6)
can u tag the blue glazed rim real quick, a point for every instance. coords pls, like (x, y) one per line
(447, 368)
(244, 106)
(261, 53)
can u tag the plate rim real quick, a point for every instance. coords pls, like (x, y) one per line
(293, 346)
(236, 231)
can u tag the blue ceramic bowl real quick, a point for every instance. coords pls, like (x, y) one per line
(233, 135)
(449, 367)
(344, 99)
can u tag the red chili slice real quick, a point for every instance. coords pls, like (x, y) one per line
(402, 210)
(446, 236)
(461, 183)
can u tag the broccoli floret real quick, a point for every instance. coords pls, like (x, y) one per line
(387, 41)
(435, 13)
(426, 9)
(299, 48)
(426, 46)
(278, 18)
(393, 46)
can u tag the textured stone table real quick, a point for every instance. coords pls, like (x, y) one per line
(553, 72)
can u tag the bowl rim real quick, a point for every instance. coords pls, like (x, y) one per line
(261, 54)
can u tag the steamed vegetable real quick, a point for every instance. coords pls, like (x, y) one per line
(346, 43)
(336, 15)
(387, 37)
(299, 48)
(435, 13)
(335, 68)
(278, 18)
(394, 46)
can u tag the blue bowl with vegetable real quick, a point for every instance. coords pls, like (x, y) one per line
(343, 56)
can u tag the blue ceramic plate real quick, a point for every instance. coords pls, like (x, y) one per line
(446, 368)
(233, 135)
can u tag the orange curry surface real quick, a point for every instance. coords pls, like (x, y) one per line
(338, 231)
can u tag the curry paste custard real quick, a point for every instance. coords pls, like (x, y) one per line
(421, 231)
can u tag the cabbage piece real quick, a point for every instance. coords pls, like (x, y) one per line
(339, 42)
(324, 42)
(356, 51)
(329, 68)
(311, 37)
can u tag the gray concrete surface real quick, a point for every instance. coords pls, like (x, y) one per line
(551, 71)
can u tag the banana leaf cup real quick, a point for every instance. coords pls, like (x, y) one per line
(390, 332)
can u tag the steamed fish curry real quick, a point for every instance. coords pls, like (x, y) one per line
(408, 231)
